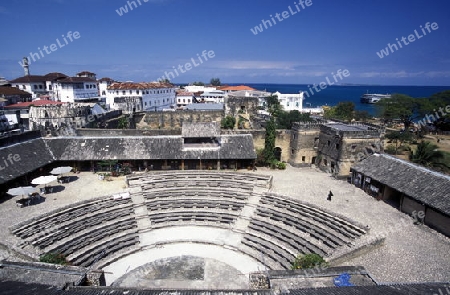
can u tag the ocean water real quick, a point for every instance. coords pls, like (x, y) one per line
(334, 94)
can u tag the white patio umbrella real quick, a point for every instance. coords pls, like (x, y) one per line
(22, 191)
(44, 179)
(61, 170)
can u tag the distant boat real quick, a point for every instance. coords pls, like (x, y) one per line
(373, 97)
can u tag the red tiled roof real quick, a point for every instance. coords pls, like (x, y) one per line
(55, 76)
(40, 102)
(29, 79)
(142, 85)
(235, 88)
(7, 90)
(85, 73)
(184, 93)
(106, 79)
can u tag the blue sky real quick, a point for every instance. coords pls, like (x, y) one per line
(157, 35)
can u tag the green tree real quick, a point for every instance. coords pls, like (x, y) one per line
(434, 109)
(273, 105)
(363, 116)
(198, 83)
(228, 122)
(165, 80)
(269, 142)
(427, 154)
(344, 110)
(215, 82)
(398, 106)
(122, 123)
(398, 138)
(286, 119)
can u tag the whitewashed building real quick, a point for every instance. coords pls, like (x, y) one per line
(291, 102)
(103, 85)
(59, 87)
(215, 96)
(184, 98)
(76, 89)
(134, 97)
(194, 88)
(34, 84)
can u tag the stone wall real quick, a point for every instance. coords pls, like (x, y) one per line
(53, 117)
(338, 150)
(282, 140)
(234, 105)
(174, 119)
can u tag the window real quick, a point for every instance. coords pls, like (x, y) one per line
(328, 143)
(23, 87)
(337, 146)
(123, 92)
(137, 92)
(131, 91)
(35, 86)
(40, 86)
(303, 158)
(145, 103)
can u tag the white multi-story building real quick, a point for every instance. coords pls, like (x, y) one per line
(194, 88)
(291, 102)
(129, 96)
(103, 85)
(34, 84)
(60, 87)
(184, 98)
(215, 96)
(76, 89)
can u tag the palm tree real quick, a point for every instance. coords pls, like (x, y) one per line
(426, 154)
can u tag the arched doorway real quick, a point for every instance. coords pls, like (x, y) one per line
(277, 153)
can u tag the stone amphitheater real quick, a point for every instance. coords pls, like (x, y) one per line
(212, 229)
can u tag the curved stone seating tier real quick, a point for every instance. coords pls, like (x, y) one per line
(104, 248)
(86, 238)
(291, 241)
(210, 193)
(172, 204)
(296, 208)
(68, 213)
(264, 250)
(199, 184)
(66, 230)
(191, 217)
(290, 221)
(253, 179)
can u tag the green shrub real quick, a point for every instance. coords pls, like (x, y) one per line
(308, 261)
(281, 165)
(54, 258)
(390, 149)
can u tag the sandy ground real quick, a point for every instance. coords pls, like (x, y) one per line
(411, 253)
